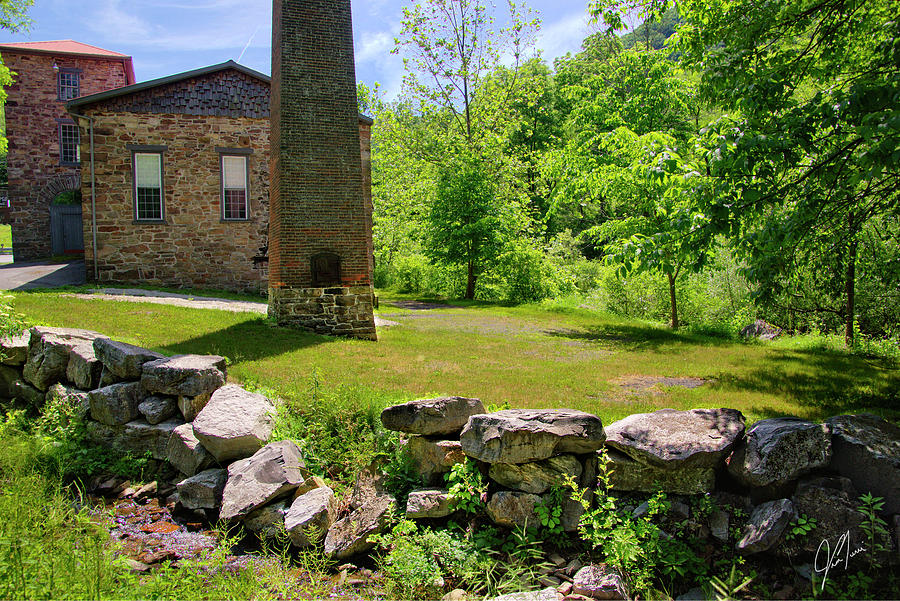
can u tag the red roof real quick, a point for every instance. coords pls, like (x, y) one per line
(72, 47)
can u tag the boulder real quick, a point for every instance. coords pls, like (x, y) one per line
(833, 503)
(429, 503)
(699, 438)
(103, 434)
(267, 522)
(431, 417)
(718, 525)
(766, 525)
(235, 423)
(139, 437)
(186, 453)
(778, 450)
(434, 458)
(350, 536)
(203, 490)
(599, 581)
(116, 404)
(191, 406)
(184, 375)
(547, 594)
(368, 485)
(107, 377)
(310, 516)
(156, 409)
(77, 402)
(538, 476)
(13, 387)
(630, 475)
(48, 354)
(511, 509)
(14, 349)
(123, 360)
(84, 369)
(760, 330)
(271, 473)
(866, 449)
(525, 435)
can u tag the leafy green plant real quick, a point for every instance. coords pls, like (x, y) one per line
(800, 527)
(549, 511)
(466, 486)
(728, 588)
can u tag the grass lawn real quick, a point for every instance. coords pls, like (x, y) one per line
(527, 356)
(6, 236)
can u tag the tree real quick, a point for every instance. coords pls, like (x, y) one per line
(809, 157)
(14, 18)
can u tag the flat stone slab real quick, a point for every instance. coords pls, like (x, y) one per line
(778, 450)
(431, 417)
(83, 368)
(429, 503)
(433, 458)
(271, 473)
(536, 477)
(866, 449)
(310, 516)
(124, 360)
(350, 536)
(203, 490)
(766, 525)
(512, 508)
(48, 354)
(140, 437)
(156, 409)
(599, 581)
(547, 594)
(699, 438)
(234, 423)
(184, 375)
(630, 475)
(14, 349)
(116, 404)
(525, 435)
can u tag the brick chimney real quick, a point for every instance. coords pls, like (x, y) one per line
(320, 227)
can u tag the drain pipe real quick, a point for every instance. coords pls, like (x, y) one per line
(93, 197)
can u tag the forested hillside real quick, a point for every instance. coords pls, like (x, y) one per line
(715, 164)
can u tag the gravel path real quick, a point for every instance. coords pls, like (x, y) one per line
(135, 295)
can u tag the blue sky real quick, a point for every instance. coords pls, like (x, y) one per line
(171, 36)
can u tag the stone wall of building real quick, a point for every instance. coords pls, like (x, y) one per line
(194, 247)
(33, 111)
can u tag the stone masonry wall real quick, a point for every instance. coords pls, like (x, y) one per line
(32, 111)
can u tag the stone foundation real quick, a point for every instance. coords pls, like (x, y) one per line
(336, 311)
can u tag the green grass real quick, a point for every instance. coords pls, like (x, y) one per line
(6, 236)
(527, 356)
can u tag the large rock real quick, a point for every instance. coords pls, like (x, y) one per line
(191, 406)
(77, 402)
(833, 503)
(434, 458)
(13, 387)
(310, 516)
(272, 472)
(510, 508)
(235, 423)
(599, 581)
(429, 503)
(524, 435)
(431, 417)
(103, 434)
(761, 330)
(368, 485)
(186, 453)
(866, 449)
(350, 536)
(699, 438)
(778, 450)
(116, 404)
(124, 360)
(48, 354)
(156, 409)
(14, 349)
(547, 594)
(267, 522)
(766, 525)
(184, 375)
(536, 477)
(630, 475)
(140, 437)
(203, 490)
(84, 369)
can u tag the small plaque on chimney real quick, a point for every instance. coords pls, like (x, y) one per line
(326, 269)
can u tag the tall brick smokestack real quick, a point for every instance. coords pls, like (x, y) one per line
(320, 225)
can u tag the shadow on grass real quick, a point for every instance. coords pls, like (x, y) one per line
(637, 337)
(825, 382)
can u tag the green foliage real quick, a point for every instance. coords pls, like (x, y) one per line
(728, 588)
(549, 512)
(800, 527)
(401, 474)
(466, 486)
(873, 526)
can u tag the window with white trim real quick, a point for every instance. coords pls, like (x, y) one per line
(69, 151)
(68, 84)
(148, 186)
(234, 188)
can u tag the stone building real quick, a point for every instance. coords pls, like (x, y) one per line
(181, 179)
(43, 157)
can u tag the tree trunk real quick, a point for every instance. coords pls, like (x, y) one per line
(850, 287)
(672, 300)
(470, 284)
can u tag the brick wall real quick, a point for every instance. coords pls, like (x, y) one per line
(32, 111)
(194, 247)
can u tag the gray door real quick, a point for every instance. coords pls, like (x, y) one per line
(66, 235)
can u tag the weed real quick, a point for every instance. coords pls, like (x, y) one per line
(727, 589)
(800, 527)
(467, 486)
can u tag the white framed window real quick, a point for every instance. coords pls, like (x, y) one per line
(235, 187)
(68, 84)
(69, 151)
(148, 186)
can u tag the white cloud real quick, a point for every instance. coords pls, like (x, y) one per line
(374, 46)
(563, 35)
